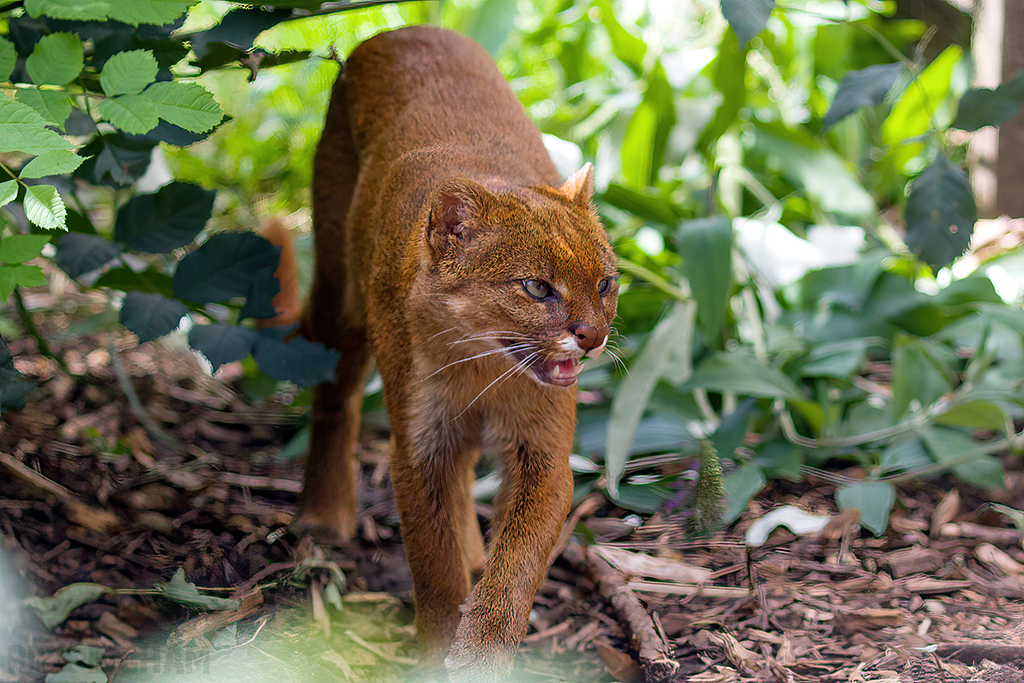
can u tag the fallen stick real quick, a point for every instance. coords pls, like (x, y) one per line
(652, 650)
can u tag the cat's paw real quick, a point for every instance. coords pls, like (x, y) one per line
(325, 529)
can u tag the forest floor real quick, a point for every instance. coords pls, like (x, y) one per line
(143, 465)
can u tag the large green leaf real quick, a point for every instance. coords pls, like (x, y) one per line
(188, 105)
(706, 247)
(157, 12)
(643, 147)
(151, 316)
(76, 10)
(864, 88)
(54, 162)
(224, 267)
(52, 105)
(134, 114)
(44, 207)
(940, 213)
(874, 500)
(128, 73)
(57, 59)
(166, 220)
(747, 17)
(980, 107)
(78, 253)
(21, 248)
(8, 57)
(918, 375)
(222, 343)
(964, 455)
(729, 76)
(741, 373)
(296, 360)
(19, 275)
(630, 400)
(22, 129)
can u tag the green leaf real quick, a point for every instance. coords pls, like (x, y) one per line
(747, 17)
(917, 375)
(8, 192)
(729, 76)
(975, 415)
(188, 105)
(22, 129)
(8, 58)
(740, 372)
(128, 73)
(168, 219)
(297, 360)
(706, 246)
(643, 147)
(76, 673)
(124, 279)
(76, 10)
(52, 105)
(78, 253)
(741, 485)
(86, 655)
(185, 593)
(21, 248)
(158, 12)
(54, 610)
(222, 343)
(493, 20)
(980, 107)
(44, 207)
(135, 114)
(54, 162)
(864, 88)
(151, 316)
(836, 359)
(874, 499)
(56, 59)
(19, 275)
(627, 48)
(940, 213)
(964, 456)
(631, 398)
(223, 267)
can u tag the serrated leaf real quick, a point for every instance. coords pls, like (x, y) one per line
(8, 58)
(78, 253)
(44, 207)
(151, 316)
(864, 88)
(22, 129)
(185, 593)
(747, 17)
(223, 267)
(940, 213)
(706, 245)
(19, 275)
(8, 191)
(135, 114)
(188, 105)
(222, 343)
(54, 610)
(297, 360)
(156, 12)
(874, 499)
(21, 248)
(54, 162)
(77, 10)
(166, 220)
(128, 73)
(56, 59)
(52, 105)
(980, 107)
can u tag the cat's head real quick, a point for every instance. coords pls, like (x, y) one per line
(525, 270)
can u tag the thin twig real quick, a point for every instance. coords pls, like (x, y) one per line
(29, 323)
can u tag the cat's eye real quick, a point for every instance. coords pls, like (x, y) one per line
(538, 289)
(604, 286)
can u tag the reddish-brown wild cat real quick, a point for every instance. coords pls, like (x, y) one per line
(448, 247)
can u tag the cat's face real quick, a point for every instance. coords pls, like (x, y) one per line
(527, 275)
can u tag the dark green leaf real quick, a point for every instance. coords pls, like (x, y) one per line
(980, 107)
(741, 485)
(706, 247)
(151, 316)
(940, 213)
(125, 279)
(238, 29)
(863, 88)
(732, 430)
(224, 267)
(874, 499)
(166, 220)
(642, 203)
(296, 360)
(747, 17)
(115, 159)
(918, 375)
(78, 254)
(222, 343)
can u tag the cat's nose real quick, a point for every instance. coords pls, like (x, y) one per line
(587, 336)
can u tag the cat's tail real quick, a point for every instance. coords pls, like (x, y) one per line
(288, 302)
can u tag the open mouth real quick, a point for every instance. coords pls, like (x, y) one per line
(561, 373)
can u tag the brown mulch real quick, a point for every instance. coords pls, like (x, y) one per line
(93, 489)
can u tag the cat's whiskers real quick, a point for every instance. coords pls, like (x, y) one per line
(517, 367)
(490, 335)
(489, 352)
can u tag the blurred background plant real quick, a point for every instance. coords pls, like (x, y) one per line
(783, 185)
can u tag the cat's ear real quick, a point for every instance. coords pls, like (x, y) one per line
(579, 187)
(456, 212)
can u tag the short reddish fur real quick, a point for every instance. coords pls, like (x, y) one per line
(434, 200)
